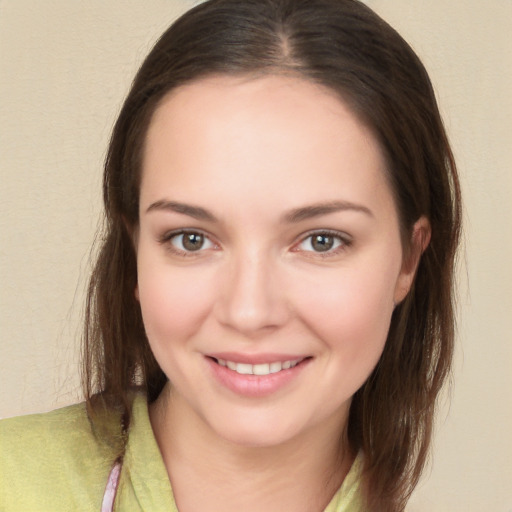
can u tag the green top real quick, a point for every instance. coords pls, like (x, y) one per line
(54, 462)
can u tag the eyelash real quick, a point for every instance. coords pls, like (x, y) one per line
(344, 242)
(168, 238)
(342, 239)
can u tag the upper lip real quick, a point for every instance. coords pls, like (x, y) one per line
(253, 359)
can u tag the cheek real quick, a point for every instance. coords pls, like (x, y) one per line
(350, 313)
(174, 301)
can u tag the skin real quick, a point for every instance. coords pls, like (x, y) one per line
(264, 163)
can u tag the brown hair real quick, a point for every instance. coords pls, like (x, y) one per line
(344, 46)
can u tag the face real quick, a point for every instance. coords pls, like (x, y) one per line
(269, 255)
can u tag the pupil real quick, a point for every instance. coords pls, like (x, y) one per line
(322, 243)
(193, 241)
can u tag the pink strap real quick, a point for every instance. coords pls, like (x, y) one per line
(111, 489)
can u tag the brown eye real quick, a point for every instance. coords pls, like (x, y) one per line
(322, 242)
(193, 241)
(190, 241)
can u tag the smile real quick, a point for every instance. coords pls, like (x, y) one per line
(258, 369)
(256, 375)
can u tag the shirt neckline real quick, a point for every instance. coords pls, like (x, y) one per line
(146, 470)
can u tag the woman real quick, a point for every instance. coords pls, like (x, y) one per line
(270, 316)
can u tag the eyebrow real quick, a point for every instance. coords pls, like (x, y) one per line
(317, 210)
(293, 216)
(195, 212)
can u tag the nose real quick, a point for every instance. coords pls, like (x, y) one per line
(252, 300)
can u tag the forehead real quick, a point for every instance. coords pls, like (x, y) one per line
(269, 135)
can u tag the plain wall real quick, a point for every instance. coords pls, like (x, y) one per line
(65, 67)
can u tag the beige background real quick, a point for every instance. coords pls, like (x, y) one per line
(64, 69)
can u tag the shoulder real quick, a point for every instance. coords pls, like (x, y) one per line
(52, 461)
(33, 425)
(349, 497)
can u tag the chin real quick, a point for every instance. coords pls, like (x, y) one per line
(258, 430)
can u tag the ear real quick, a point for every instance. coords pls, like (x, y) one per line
(420, 238)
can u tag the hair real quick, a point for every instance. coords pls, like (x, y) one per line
(346, 47)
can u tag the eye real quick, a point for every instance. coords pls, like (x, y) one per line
(323, 242)
(189, 241)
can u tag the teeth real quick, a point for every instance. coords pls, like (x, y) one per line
(261, 369)
(275, 367)
(244, 369)
(258, 369)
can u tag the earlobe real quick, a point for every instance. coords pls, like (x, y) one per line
(420, 239)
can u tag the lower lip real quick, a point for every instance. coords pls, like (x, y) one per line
(255, 385)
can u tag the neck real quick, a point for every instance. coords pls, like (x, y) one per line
(305, 472)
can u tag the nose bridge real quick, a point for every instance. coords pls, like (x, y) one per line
(252, 299)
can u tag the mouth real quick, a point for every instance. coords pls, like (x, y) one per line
(261, 369)
(257, 375)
